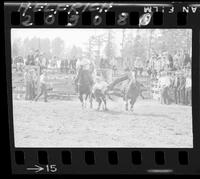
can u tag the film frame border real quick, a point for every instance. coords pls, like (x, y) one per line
(115, 160)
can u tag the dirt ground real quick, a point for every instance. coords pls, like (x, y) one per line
(66, 124)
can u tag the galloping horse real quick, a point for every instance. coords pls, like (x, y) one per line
(129, 91)
(85, 82)
(132, 92)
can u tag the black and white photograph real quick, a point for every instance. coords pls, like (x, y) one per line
(102, 88)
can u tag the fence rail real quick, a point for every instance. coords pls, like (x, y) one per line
(62, 84)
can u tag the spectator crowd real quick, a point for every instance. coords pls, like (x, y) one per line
(173, 73)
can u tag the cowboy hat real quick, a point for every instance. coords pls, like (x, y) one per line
(98, 78)
(85, 62)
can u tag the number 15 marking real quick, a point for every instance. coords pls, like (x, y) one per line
(51, 168)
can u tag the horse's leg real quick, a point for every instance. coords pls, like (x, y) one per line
(86, 96)
(99, 101)
(141, 94)
(83, 102)
(132, 103)
(126, 102)
(104, 100)
(81, 99)
(91, 100)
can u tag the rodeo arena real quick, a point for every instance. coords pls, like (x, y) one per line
(103, 100)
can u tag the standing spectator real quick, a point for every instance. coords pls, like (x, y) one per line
(62, 65)
(20, 64)
(54, 62)
(101, 64)
(186, 58)
(43, 86)
(71, 65)
(176, 84)
(35, 83)
(178, 59)
(30, 59)
(138, 66)
(148, 67)
(37, 59)
(66, 66)
(37, 53)
(170, 62)
(182, 90)
(188, 88)
(78, 65)
(74, 62)
(181, 57)
(164, 61)
(175, 65)
(43, 61)
(28, 84)
(107, 63)
(157, 66)
(164, 84)
(32, 84)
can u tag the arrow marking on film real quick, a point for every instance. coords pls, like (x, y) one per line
(37, 169)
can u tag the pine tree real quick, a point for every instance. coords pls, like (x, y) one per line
(110, 46)
(58, 47)
(16, 48)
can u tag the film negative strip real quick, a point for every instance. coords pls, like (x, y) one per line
(103, 88)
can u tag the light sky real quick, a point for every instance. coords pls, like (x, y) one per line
(78, 37)
(71, 37)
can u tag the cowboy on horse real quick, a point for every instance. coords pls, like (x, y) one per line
(131, 79)
(83, 80)
(130, 88)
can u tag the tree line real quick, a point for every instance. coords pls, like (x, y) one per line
(132, 44)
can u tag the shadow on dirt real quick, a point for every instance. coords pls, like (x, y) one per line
(132, 113)
(154, 115)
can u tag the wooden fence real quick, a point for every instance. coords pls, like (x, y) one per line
(63, 86)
